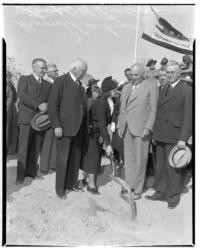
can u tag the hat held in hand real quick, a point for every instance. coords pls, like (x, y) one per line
(41, 122)
(179, 157)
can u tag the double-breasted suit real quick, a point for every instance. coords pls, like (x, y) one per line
(67, 108)
(31, 94)
(137, 112)
(173, 123)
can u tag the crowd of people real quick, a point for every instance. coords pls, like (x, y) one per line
(57, 125)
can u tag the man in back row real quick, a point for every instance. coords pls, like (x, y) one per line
(48, 153)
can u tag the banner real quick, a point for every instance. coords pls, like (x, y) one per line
(162, 33)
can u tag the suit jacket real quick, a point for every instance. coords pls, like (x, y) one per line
(64, 105)
(31, 94)
(174, 114)
(101, 117)
(138, 111)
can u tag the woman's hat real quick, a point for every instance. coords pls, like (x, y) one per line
(179, 157)
(92, 82)
(150, 62)
(41, 122)
(108, 84)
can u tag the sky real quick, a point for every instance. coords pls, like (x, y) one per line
(103, 35)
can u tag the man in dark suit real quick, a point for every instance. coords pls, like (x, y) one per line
(172, 127)
(67, 107)
(48, 152)
(33, 94)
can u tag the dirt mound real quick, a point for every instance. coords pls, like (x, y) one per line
(36, 216)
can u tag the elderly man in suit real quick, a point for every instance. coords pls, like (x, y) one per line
(67, 107)
(33, 92)
(172, 127)
(48, 153)
(135, 124)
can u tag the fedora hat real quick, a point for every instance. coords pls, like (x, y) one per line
(41, 122)
(179, 157)
(150, 62)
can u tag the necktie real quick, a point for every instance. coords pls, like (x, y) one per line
(169, 89)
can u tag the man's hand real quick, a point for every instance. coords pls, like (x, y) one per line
(109, 150)
(146, 132)
(58, 132)
(190, 141)
(43, 107)
(181, 144)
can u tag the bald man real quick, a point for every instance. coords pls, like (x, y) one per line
(68, 112)
(137, 115)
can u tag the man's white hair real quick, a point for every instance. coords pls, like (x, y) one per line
(78, 63)
(51, 65)
(173, 63)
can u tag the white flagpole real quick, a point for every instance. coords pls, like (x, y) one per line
(136, 34)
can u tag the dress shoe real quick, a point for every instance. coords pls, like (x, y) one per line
(51, 171)
(39, 177)
(92, 190)
(78, 189)
(184, 190)
(82, 183)
(62, 196)
(172, 205)
(19, 182)
(137, 196)
(155, 197)
(124, 192)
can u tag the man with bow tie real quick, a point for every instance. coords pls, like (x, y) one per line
(33, 92)
(172, 127)
(135, 124)
(67, 108)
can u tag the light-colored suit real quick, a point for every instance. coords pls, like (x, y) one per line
(138, 111)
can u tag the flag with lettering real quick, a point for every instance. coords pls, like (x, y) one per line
(162, 33)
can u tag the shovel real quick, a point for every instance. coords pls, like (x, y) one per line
(126, 187)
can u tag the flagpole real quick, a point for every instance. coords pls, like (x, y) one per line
(136, 34)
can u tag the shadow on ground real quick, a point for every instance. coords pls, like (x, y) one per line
(11, 186)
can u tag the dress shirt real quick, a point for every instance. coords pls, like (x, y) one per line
(174, 84)
(111, 104)
(37, 78)
(73, 77)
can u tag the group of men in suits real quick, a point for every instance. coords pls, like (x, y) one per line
(146, 111)
(162, 113)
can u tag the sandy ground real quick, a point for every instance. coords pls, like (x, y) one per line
(35, 216)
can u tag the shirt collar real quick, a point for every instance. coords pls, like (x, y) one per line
(36, 77)
(48, 79)
(72, 76)
(175, 83)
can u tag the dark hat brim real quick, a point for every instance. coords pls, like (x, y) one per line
(151, 62)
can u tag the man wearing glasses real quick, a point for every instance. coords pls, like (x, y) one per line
(33, 92)
(48, 153)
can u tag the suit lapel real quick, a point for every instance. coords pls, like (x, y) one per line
(173, 93)
(137, 92)
(128, 92)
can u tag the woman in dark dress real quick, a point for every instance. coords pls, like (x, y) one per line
(100, 116)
